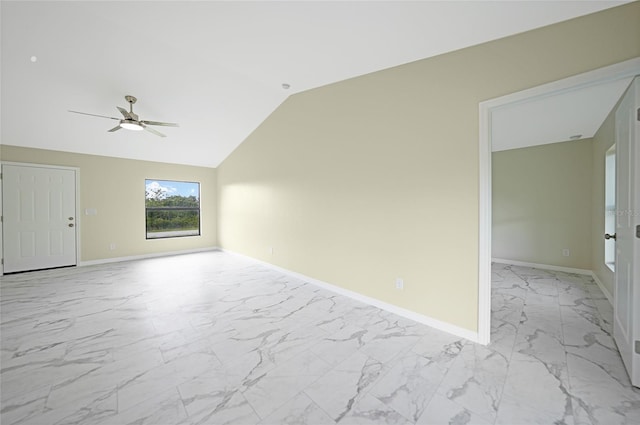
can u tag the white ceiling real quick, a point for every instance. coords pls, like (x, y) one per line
(557, 117)
(217, 68)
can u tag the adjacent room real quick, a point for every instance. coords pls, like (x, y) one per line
(352, 212)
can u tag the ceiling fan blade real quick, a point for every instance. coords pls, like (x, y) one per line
(94, 115)
(151, 130)
(166, 124)
(125, 113)
(116, 128)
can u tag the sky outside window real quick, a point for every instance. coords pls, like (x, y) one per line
(165, 188)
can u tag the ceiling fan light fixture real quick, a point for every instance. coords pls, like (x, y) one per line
(131, 125)
(131, 120)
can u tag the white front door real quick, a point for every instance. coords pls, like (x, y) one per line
(39, 217)
(627, 273)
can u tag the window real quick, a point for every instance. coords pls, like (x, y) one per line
(610, 206)
(172, 208)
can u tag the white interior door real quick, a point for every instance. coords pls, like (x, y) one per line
(39, 217)
(627, 274)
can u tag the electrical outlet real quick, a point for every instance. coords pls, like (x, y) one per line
(565, 252)
(271, 250)
(399, 283)
(112, 246)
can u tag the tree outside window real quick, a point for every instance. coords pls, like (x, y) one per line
(172, 208)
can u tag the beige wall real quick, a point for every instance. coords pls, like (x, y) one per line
(115, 188)
(602, 141)
(542, 204)
(376, 177)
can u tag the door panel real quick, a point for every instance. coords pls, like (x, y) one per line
(39, 224)
(627, 273)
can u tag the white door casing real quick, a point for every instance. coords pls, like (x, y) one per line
(39, 217)
(626, 328)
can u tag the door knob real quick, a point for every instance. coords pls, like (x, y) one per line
(70, 224)
(608, 236)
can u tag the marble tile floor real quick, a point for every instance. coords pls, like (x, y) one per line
(211, 338)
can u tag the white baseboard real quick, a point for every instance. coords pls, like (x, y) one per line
(586, 272)
(543, 266)
(144, 256)
(417, 317)
(603, 288)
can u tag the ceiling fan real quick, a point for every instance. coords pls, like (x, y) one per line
(131, 120)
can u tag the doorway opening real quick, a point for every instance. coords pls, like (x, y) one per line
(487, 130)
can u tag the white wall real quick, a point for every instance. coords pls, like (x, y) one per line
(542, 204)
(370, 179)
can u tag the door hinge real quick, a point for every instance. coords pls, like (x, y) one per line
(637, 347)
(638, 231)
(638, 114)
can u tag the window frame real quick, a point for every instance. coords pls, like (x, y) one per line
(147, 209)
(610, 206)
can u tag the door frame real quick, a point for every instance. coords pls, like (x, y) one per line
(610, 73)
(76, 170)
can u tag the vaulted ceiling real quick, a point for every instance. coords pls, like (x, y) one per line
(216, 68)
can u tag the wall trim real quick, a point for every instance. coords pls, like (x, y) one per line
(585, 272)
(543, 266)
(484, 226)
(417, 317)
(145, 256)
(603, 288)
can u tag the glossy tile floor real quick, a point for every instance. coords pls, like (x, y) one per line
(210, 338)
